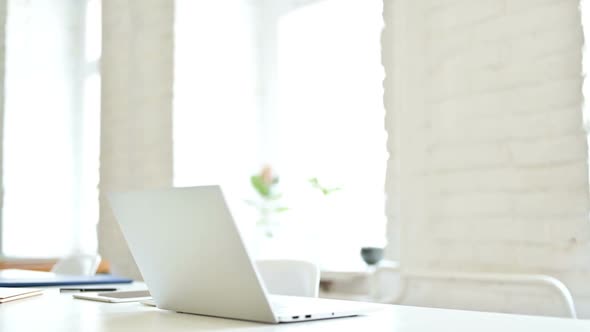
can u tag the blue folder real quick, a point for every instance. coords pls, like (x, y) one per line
(25, 278)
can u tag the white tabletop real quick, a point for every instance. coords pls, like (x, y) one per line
(60, 312)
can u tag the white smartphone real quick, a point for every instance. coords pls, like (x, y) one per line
(116, 297)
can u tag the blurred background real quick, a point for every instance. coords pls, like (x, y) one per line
(451, 135)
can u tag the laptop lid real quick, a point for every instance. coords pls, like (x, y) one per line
(190, 253)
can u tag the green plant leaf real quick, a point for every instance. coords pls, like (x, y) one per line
(274, 197)
(315, 183)
(258, 184)
(328, 191)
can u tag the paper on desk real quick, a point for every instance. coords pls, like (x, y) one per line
(8, 294)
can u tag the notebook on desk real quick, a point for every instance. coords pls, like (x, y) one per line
(12, 294)
(26, 278)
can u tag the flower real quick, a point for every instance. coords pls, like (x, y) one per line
(265, 183)
(267, 176)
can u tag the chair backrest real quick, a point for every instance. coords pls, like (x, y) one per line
(289, 277)
(78, 264)
(530, 294)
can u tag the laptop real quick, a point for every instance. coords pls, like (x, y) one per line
(193, 259)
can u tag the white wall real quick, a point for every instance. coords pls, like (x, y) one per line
(489, 164)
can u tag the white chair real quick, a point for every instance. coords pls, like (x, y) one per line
(530, 294)
(289, 277)
(78, 264)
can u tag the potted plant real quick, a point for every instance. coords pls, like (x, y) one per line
(266, 184)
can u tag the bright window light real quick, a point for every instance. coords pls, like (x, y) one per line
(331, 121)
(51, 128)
(297, 85)
(215, 122)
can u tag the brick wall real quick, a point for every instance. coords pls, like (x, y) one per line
(488, 168)
(136, 117)
(3, 8)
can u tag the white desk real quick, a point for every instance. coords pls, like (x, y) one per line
(60, 312)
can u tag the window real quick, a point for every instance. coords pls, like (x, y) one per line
(293, 84)
(214, 94)
(331, 119)
(51, 128)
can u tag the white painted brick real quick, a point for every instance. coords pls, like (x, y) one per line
(448, 46)
(570, 231)
(486, 55)
(543, 43)
(553, 68)
(449, 82)
(549, 96)
(512, 257)
(515, 6)
(136, 116)
(484, 256)
(559, 260)
(508, 27)
(483, 229)
(568, 176)
(464, 13)
(549, 151)
(454, 250)
(552, 204)
(576, 280)
(559, 122)
(559, 232)
(536, 18)
(438, 4)
(450, 126)
(513, 251)
(478, 180)
(503, 185)
(469, 156)
(512, 179)
(474, 205)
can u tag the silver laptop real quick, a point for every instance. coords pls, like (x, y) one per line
(193, 259)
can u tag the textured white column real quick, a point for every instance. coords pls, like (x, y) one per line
(136, 128)
(404, 103)
(488, 168)
(3, 6)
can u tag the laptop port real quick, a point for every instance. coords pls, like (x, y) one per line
(295, 317)
(307, 316)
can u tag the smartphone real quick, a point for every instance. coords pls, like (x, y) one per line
(116, 297)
